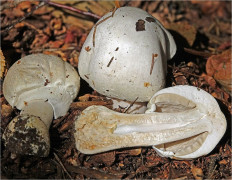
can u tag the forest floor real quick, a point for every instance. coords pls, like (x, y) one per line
(202, 31)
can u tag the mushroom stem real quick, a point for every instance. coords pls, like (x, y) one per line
(113, 130)
(40, 108)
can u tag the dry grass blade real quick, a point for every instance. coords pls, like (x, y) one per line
(61, 164)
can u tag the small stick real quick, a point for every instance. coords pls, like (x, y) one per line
(108, 65)
(95, 27)
(198, 53)
(61, 164)
(85, 104)
(178, 69)
(24, 17)
(73, 9)
(153, 62)
(130, 105)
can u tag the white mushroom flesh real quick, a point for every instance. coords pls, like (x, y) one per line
(125, 54)
(187, 123)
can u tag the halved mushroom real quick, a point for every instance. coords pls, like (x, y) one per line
(39, 85)
(181, 122)
(125, 57)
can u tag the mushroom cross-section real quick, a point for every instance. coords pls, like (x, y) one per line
(41, 86)
(181, 122)
(125, 55)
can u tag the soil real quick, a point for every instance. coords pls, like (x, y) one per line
(202, 31)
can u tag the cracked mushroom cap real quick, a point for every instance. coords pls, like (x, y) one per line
(43, 77)
(125, 54)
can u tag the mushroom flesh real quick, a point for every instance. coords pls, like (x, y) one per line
(125, 56)
(41, 86)
(181, 122)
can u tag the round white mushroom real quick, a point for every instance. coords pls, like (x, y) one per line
(125, 55)
(41, 86)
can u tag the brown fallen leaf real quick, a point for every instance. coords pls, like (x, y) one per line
(106, 158)
(223, 162)
(131, 152)
(3, 63)
(6, 110)
(86, 97)
(213, 8)
(225, 45)
(184, 29)
(71, 34)
(210, 80)
(219, 67)
(83, 105)
(197, 172)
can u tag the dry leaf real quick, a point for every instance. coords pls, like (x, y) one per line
(184, 29)
(210, 80)
(214, 8)
(219, 67)
(131, 152)
(6, 110)
(3, 63)
(107, 158)
(197, 172)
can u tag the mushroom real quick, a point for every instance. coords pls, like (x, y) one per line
(181, 122)
(124, 56)
(40, 86)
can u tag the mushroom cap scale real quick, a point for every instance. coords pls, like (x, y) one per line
(127, 54)
(42, 77)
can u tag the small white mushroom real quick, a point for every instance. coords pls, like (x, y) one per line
(125, 56)
(181, 122)
(40, 86)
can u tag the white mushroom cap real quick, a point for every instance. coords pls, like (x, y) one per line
(43, 77)
(125, 54)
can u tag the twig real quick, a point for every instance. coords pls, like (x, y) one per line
(178, 69)
(95, 27)
(108, 65)
(198, 53)
(83, 105)
(130, 105)
(61, 164)
(153, 62)
(73, 9)
(58, 121)
(24, 17)
(93, 173)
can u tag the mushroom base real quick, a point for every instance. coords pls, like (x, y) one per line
(27, 135)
